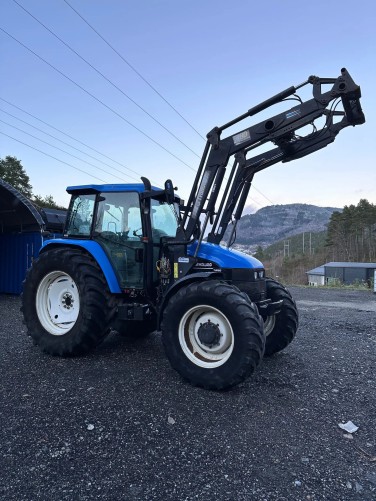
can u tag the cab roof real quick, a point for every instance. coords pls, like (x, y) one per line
(108, 188)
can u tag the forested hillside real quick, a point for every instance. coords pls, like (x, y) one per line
(352, 233)
(350, 236)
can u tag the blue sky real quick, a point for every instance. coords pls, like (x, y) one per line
(212, 60)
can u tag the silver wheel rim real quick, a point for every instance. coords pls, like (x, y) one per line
(57, 303)
(269, 324)
(206, 355)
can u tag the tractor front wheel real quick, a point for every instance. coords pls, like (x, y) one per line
(280, 329)
(212, 334)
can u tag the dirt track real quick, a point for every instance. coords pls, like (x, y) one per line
(121, 424)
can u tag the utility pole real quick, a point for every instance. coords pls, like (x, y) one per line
(286, 248)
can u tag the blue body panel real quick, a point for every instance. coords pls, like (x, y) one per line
(225, 258)
(98, 254)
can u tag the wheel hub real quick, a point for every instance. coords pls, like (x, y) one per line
(67, 301)
(209, 334)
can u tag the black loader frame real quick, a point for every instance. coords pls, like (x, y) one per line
(279, 130)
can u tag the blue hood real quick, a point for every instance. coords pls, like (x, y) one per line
(225, 258)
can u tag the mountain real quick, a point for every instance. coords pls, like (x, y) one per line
(278, 222)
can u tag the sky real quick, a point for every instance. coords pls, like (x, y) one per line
(209, 60)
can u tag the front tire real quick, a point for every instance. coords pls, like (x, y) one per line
(280, 329)
(66, 303)
(212, 334)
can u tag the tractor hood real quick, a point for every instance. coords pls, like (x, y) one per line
(225, 258)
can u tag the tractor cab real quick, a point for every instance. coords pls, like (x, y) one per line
(128, 222)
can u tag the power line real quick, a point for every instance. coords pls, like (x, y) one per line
(90, 147)
(67, 144)
(268, 199)
(51, 156)
(60, 149)
(95, 98)
(105, 78)
(67, 135)
(134, 69)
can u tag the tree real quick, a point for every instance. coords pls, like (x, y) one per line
(13, 173)
(351, 234)
(47, 201)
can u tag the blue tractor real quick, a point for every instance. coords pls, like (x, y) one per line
(135, 258)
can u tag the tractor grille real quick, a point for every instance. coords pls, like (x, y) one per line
(250, 281)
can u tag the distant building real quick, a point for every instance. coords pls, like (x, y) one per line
(23, 227)
(342, 272)
(316, 276)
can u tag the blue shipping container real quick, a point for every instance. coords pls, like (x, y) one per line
(17, 252)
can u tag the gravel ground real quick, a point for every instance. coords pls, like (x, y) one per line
(120, 424)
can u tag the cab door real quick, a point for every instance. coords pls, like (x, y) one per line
(118, 229)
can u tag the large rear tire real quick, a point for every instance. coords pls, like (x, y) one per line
(280, 329)
(212, 334)
(66, 303)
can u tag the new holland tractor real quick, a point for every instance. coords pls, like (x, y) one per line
(135, 258)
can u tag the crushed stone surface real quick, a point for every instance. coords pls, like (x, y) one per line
(120, 424)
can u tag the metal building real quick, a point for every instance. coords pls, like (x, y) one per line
(346, 273)
(22, 230)
(349, 273)
(316, 276)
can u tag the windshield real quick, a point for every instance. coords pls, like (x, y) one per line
(164, 219)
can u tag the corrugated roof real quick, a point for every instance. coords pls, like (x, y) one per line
(317, 271)
(17, 213)
(335, 264)
(320, 270)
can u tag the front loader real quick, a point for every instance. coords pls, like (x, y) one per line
(135, 258)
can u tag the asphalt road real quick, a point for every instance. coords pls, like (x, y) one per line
(120, 424)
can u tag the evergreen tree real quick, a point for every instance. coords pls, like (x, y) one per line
(47, 201)
(352, 233)
(13, 173)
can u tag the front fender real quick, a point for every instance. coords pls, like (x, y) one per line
(194, 277)
(97, 253)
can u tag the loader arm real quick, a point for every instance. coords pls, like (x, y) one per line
(280, 130)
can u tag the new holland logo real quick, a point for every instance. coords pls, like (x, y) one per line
(292, 114)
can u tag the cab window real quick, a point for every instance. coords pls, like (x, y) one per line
(80, 215)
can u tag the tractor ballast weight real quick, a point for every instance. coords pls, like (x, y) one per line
(134, 259)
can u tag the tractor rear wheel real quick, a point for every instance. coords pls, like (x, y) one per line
(280, 329)
(212, 334)
(66, 304)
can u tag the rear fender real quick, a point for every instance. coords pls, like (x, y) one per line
(97, 253)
